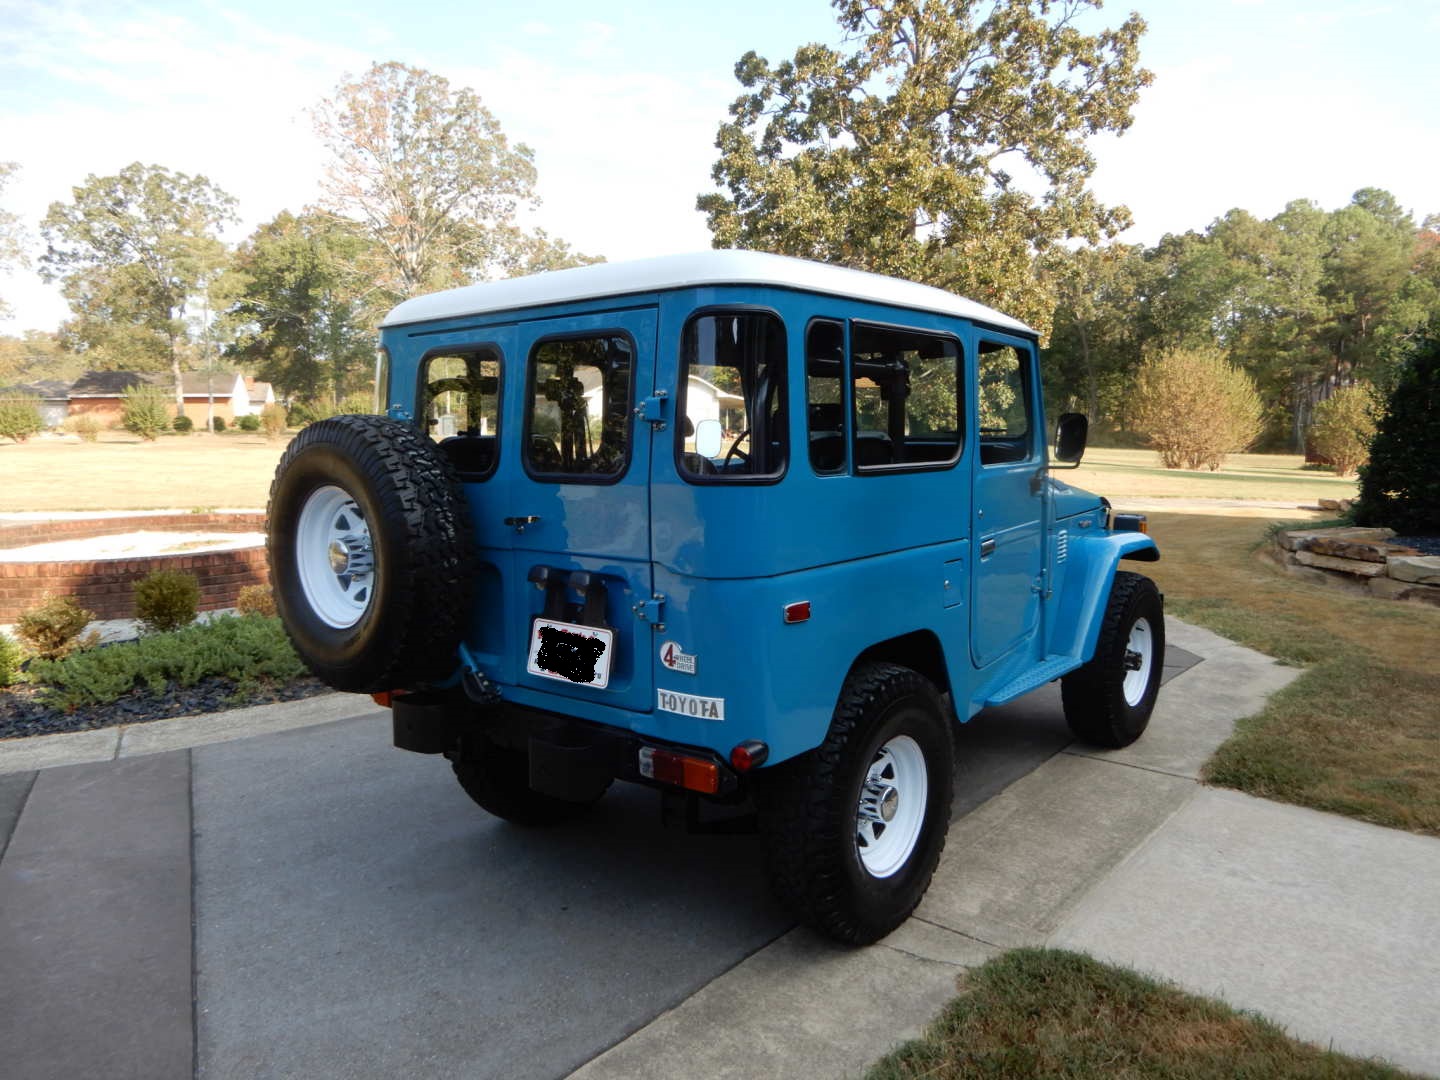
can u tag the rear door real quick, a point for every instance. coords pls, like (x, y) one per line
(577, 507)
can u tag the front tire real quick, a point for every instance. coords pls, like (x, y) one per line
(855, 827)
(1108, 702)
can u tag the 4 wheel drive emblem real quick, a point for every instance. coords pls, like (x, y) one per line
(677, 659)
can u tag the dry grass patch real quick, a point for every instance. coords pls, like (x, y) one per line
(1359, 732)
(1273, 477)
(120, 472)
(1043, 1012)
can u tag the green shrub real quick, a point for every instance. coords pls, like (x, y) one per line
(357, 404)
(166, 600)
(301, 414)
(52, 629)
(1195, 407)
(246, 650)
(9, 660)
(20, 416)
(183, 424)
(248, 422)
(146, 411)
(1343, 427)
(217, 423)
(84, 425)
(255, 600)
(274, 420)
(1400, 488)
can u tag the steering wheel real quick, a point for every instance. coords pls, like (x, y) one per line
(735, 451)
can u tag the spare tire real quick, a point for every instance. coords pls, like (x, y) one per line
(371, 555)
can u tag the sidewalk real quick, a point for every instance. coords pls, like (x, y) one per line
(1326, 925)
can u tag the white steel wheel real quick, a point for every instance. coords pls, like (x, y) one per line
(334, 557)
(1139, 657)
(891, 811)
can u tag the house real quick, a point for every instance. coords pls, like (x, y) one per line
(261, 394)
(101, 394)
(226, 389)
(53, 395)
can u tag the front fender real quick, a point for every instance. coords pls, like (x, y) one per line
(1084, 584)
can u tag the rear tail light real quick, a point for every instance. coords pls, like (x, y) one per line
(691, 773)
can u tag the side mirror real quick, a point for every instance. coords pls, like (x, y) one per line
(709, 438)
(1070, 435)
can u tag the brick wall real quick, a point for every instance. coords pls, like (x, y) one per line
(106, 586)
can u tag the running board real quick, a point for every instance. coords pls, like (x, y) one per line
(1033, 679)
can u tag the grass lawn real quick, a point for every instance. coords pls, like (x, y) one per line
(1043, 1012)
(120, 472)
(1273, 477)
(1358, 732)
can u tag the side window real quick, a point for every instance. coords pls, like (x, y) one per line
(906, 386)
(577, 409)
(733, 382)
(824, 401)
(1004, 404)
(461, 408)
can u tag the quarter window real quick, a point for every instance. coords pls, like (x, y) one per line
(906, 387)
(461, 407)
(824, 400)
(733, 419)
(577, 418)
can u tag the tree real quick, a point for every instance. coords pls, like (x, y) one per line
(296, 313)
(131, 250)
(12, 234)
(1195, 407)
(1400, 487)
(971, 164)
(426, 173)
(1343, 427)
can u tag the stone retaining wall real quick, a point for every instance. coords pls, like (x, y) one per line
(1361, 560)
(107, 586)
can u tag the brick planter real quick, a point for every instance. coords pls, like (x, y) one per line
(106, 586)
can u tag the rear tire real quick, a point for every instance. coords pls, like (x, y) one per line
(1108, 702)
(855, 827)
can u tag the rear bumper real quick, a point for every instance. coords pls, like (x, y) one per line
(567, 755)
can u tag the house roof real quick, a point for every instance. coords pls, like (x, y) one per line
(691, 271)
(203, 384)
(260, 392)
(44, 389)
(111, 383)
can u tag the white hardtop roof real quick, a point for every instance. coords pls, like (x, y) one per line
(689, 271)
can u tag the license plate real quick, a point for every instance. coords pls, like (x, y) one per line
(571, 653)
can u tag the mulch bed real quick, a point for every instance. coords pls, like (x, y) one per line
(1426, 545)
(21, 714)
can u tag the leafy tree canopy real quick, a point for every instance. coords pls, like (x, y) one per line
(12, 234)
(946, 146)
(426, 173)
(131, 250)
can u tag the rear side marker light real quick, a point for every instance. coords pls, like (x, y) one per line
(693, 774)
(797, 612)
(750, 754)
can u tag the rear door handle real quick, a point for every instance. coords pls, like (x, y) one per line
(987, 547)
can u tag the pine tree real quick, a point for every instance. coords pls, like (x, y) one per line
(1400, 488)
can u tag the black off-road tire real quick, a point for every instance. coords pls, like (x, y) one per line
(1096, 706)
(808, 808)
(422, 547)
(497, 778)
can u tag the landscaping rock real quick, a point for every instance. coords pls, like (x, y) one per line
(1293, 539)
(1329, 504)
(1419, 569)
(1354, 549)
(1358, 567)
(1390, 589)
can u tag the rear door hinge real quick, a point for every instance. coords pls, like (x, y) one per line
(652, 611)
(652, 409)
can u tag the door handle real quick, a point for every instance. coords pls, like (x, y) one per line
(987, 547)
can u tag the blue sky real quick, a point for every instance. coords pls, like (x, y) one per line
(1255, 102)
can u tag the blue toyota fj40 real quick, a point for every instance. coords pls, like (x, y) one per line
(731, 525)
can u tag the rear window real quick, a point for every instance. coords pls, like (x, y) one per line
(732, 426)
(577, 411)
(461, 408)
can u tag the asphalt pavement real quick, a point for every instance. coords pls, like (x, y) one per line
(278, 892)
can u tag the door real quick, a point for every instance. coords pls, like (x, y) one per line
(1007, 525)
(577, 504)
